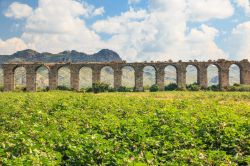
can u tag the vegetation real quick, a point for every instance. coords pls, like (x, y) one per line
(125, 89)
(193, 87)
(213, 88)
(100, 87)
(237, 87)
(171, 87)
(154, 88)
(177, 128)
(62, 87)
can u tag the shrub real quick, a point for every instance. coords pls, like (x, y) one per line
(124, 89)
(100, 87)
(241, 88)
(154, 88)
(193, 87)
(20, 88)
(62, 87)
(42, 89)
(146, 88)
(171, 87)
(1, 88)
(213, 88)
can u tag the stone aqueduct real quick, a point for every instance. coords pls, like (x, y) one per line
(31, 71)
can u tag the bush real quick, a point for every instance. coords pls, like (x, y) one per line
(154, 88)
(1, 88)
(86, 89)
(62, 87)
(100, 87)
(214, 88)
(124, 89)
(42, 89)
(193, 87)
(20, 88)
(241, 88)
(171, 87)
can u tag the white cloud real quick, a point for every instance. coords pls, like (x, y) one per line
(162, 33)
(55, 27)
(203, 10)
(11, 45)
(239, 42)
(18, 10)
(157, 33)
(99, 11)
(245, 4)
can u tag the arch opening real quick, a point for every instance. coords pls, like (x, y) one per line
(64, 77)
(149, 77)
(1, 79)
(170, 75)
(212, 75)
(85, 79)
(107, 76)
(234, 74)
(191, 75)
(42, 78)
(128, 77)
(20, 79)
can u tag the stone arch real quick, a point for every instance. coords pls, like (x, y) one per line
(128, 76)
(63, 76)
(42, 77)
(85, 77)
(170, 75)
(213, 74)
(234, 74)
(191, 74)
(149, 76)
(20, 78)
(107, 75)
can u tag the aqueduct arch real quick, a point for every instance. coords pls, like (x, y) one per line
(31, 69)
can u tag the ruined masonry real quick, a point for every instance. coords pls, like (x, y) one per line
(31, 69)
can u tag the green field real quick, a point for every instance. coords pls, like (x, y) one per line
(164, 128)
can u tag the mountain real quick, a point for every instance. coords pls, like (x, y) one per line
(104, 55)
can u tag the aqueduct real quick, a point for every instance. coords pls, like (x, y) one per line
(96, 67)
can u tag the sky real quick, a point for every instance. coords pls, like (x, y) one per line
(138, 30)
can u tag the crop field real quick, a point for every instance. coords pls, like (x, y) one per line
(163, 128)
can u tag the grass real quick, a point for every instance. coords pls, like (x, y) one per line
(162, 128)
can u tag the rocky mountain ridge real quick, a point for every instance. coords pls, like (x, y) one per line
(105, 55)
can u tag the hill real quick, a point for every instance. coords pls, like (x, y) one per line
(105, 55)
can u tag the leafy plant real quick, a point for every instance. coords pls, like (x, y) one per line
(175, 128)
(171, 87)
(154, 88)
(193, 87)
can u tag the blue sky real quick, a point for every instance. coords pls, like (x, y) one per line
(136, 29)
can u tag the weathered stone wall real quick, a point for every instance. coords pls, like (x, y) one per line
(31, 69)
